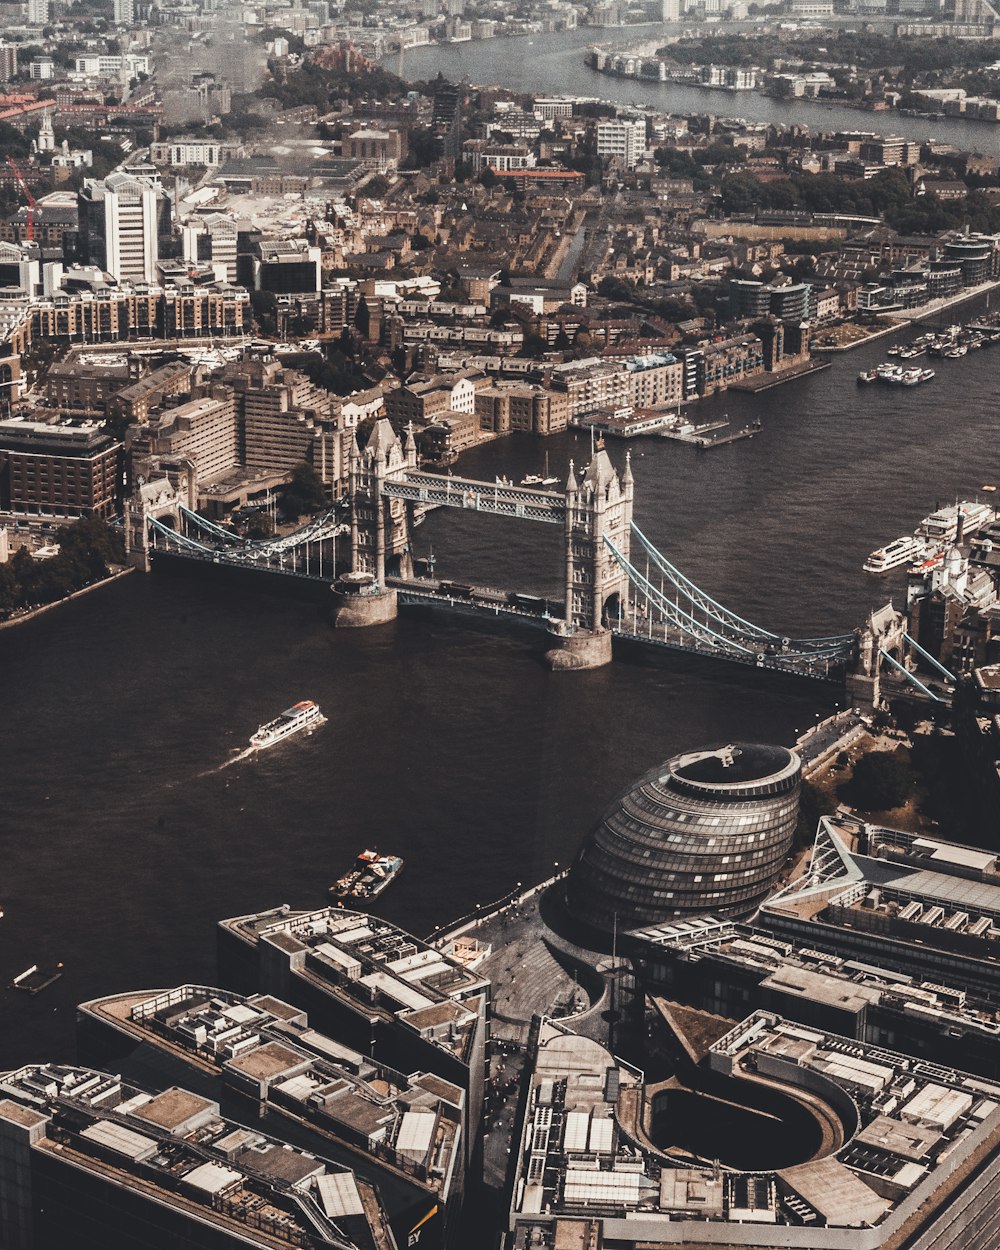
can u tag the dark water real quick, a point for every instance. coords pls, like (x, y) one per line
(553, 64)
(446, 742)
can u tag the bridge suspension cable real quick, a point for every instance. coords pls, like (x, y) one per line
(689, 619)
(183, 541)
(326, 525)
(910, 677)
(673, 613)
(735, 624)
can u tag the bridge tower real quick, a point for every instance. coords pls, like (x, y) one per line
(160, 499)
(380, 529)
(882, 632)
(598, 506)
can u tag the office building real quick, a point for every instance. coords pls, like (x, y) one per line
(707, 831)
(774, 1135)
(727, 968)
(121, 220)
(205, 431)
(402, 1134)
(907, 903)
(370, 985)
(57, 469)
(89, 1161)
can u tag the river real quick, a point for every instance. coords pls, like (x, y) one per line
(553, 64)
(123, 841)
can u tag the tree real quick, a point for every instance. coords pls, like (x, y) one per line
(882, 779)
(305, 492)
(8, 591)
(259, 526)
(812, 805)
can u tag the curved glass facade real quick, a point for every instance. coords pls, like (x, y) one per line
(708, 831)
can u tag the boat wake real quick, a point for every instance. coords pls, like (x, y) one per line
(249, 751)
(233, 759)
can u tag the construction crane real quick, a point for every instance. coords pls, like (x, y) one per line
(19, 178)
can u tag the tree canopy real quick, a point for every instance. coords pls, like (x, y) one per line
(881, 780)
(86, 548)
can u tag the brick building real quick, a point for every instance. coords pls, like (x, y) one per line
(58, 470)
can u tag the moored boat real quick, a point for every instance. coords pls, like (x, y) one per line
(900, 551)
(942, 526)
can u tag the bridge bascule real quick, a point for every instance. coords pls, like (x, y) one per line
(616, 583)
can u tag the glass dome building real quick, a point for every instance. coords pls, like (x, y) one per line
(708, 831)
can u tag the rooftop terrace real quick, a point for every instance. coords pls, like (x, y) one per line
(367, 959)
(176, 1148)
(265, 1048)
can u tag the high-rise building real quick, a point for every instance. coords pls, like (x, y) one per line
(212, 240)
(120, 224)
(38, 12)
(124, 12)
(447, 119)
(8, 61)
(624, 139)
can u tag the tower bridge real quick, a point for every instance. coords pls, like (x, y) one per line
(616, 584)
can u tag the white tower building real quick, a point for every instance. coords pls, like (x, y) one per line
(119, 224)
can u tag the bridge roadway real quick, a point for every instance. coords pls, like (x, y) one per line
(638, 627)
(487, 601)
(476, 600)
(494, 498)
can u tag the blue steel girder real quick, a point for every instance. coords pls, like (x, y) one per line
(913, 680)
(493, 498)
(326, 525)
(945, 673)
(182, 541)
(195, 518)
(748, 650)
(743, 629)
(672, 612)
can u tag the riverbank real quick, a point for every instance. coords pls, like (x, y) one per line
(549, 64)
(926, 311)
(860, 341)
(759, 382)
(22, 618)
(904, 318)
